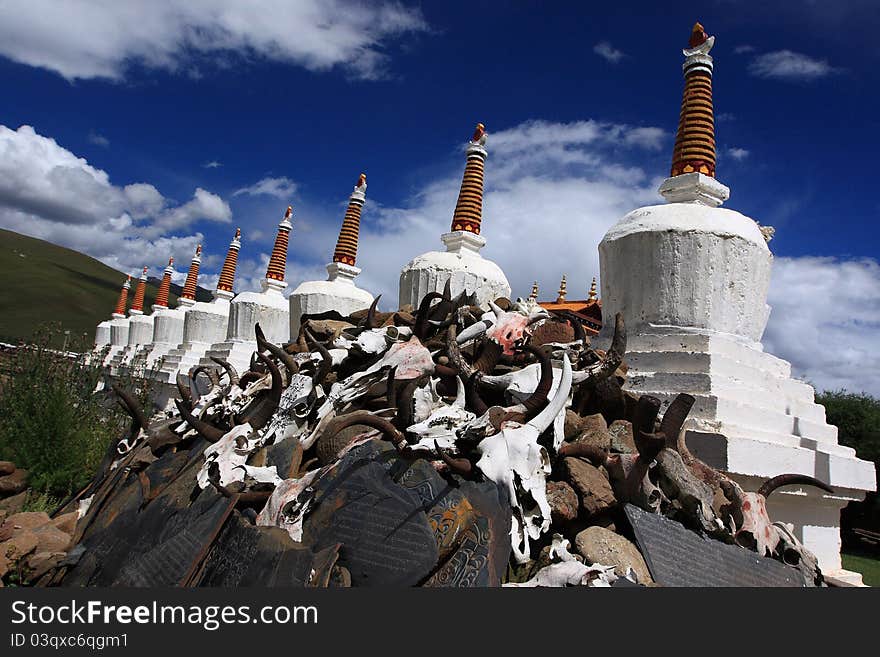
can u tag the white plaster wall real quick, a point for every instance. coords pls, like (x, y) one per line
(119, 332)
(320, 296)
(687, 265)
(102, 334)
(206, 321)
(467, 272)
(140, 329)
(269, 308)
(168, 326)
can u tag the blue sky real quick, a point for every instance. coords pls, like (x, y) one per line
(135, 130)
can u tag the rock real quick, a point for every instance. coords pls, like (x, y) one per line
(594, 423)
(14, 483)
(23, 543)
(40, 563)
(66, 523)
(563, 501)
(572, 424)
(621, 433)
(28, 520)
(13, 504)
(3, 514)
(592, 486)
(7, 467)
(597, 437)
(601, 546)
(4, 567)
(51, 539)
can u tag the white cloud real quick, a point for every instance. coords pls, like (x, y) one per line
(103, 38)
(608, 52)
(738, 154)
(48, 192)
(743, 49)
(788, 65)
(213, 164)
(282, 188)
(98, 139)
(826, 320)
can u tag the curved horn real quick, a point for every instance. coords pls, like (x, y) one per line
(489, 356)
(551, 410)
(364, 417)
(247, 378)
(370, 321)
(421, 328)
(184, 389)
(405, 404)
(674, 417)
(323, 369)
(205, 429)
(475, 330)
(496, 309)
(460, 394)
(279, 353)
(473, 395)
(260, 412)
(131, 406)
(454, 352)
(618, 341)
(538, 398)
(785, 479)
(593, 453)
(231, 372)
(459, 466)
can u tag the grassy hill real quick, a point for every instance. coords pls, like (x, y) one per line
(42, 282)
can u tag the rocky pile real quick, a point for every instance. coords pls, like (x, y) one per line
(13, 480)
(451, 446)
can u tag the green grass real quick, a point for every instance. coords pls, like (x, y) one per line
(44, 282)
(865, 564)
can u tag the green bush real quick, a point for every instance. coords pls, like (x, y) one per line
(52, 422)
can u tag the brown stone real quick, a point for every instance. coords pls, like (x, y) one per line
(596, 437)
(66, 523)
(14, 483)
(7, 467)
(594, 423)
(13, 504)
(601, 546)
(563, 501)
(51, 539)
(4, 566)
(621, 433)
(39, 563)
(572, 424)
(591, 485)
(28, 520)
(23, 543)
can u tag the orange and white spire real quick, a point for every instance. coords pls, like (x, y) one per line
(693, 157)
(347, 244)
(188, 296)
(468, 213)
(278, 259)
(593, 296)
(227, 275)
(164, 287)
(119, 313)
(137, 306)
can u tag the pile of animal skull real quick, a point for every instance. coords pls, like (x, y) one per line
(491, 393)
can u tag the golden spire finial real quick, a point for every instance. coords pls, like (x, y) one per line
(534, 294)
(593, 296)
(561, 297)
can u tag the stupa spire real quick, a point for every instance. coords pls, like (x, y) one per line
(593, 296)
(137, 306)
(347, 244)
(227, 274)
(693, 157)
(119, 313)
(164, 286)
(534, 293)
(278, 260)
(561, 292)
(192, 277)
(469, 209)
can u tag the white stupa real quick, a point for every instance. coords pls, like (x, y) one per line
(204, 322)
(168, 322)
(339, 291)
(118, 325)
(691, 280)
(268, 308)
(140, 327)
(461, 264)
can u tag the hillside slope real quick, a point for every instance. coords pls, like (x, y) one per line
(44, 283)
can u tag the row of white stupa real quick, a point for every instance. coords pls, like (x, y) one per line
(689, 277)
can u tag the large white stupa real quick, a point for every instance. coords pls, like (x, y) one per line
(140, 327)
(461, 264)
(268, 308)
(339, 291)
(117, 330)
(691, 279)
